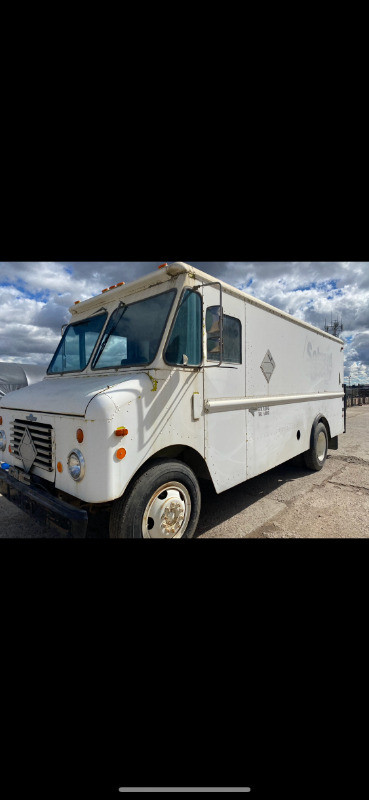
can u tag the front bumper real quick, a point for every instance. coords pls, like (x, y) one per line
(44, 508)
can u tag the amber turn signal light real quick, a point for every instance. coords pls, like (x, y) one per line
(79, 435)
(121, 453)
(59, 466)
(121, 431)
(1, 420)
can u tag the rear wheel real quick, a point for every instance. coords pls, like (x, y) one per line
(163, 502)
(316, 456)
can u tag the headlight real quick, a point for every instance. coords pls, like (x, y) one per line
(76, 465)
(2, 440)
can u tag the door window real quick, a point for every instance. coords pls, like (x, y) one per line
(184, 344)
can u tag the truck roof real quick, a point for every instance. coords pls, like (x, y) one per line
(177, 268)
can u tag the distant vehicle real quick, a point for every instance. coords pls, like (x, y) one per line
(16, 376)
(157, 383)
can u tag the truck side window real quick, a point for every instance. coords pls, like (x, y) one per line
(184, 344)
(232, 349)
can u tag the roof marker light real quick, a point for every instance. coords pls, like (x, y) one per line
(113, 287)
(76, 301)
(104, 290)
(122, 283)
(162, 265)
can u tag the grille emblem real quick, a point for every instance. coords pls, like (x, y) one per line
(27, 450)
(31, 418)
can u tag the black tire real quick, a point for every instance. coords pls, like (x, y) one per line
(172, 513)
(316, 456)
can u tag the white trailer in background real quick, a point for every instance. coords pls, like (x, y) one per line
(16, 376)
(160, 382)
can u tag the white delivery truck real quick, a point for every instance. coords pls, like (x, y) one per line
(171, 378)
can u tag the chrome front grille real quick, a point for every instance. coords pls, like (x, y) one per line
(42, 439)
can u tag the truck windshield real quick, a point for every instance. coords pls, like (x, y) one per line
(134, 332)
(76, 346)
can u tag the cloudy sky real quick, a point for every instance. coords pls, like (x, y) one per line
(35, 297)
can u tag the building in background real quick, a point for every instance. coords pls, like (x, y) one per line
(357, 395)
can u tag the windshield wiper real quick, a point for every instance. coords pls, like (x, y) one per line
(110, 328)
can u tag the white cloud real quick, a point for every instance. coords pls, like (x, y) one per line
(35, 297)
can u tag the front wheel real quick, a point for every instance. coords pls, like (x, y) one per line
(316, 456)
(163, 502)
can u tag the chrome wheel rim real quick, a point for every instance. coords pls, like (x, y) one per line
(167, 513)
(321, 446)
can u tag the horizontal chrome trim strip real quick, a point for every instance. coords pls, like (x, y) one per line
(36, 463)
(23, 423)
(230, 403)
(43, 441)
(45, 456)
(43, 434)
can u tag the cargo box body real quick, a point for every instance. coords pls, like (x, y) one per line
(261, 413)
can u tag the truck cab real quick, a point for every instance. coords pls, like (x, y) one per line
(117, 397)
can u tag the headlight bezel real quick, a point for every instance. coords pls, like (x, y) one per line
(77, 477)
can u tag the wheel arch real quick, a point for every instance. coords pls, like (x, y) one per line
(188, 455)
(319, 418)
